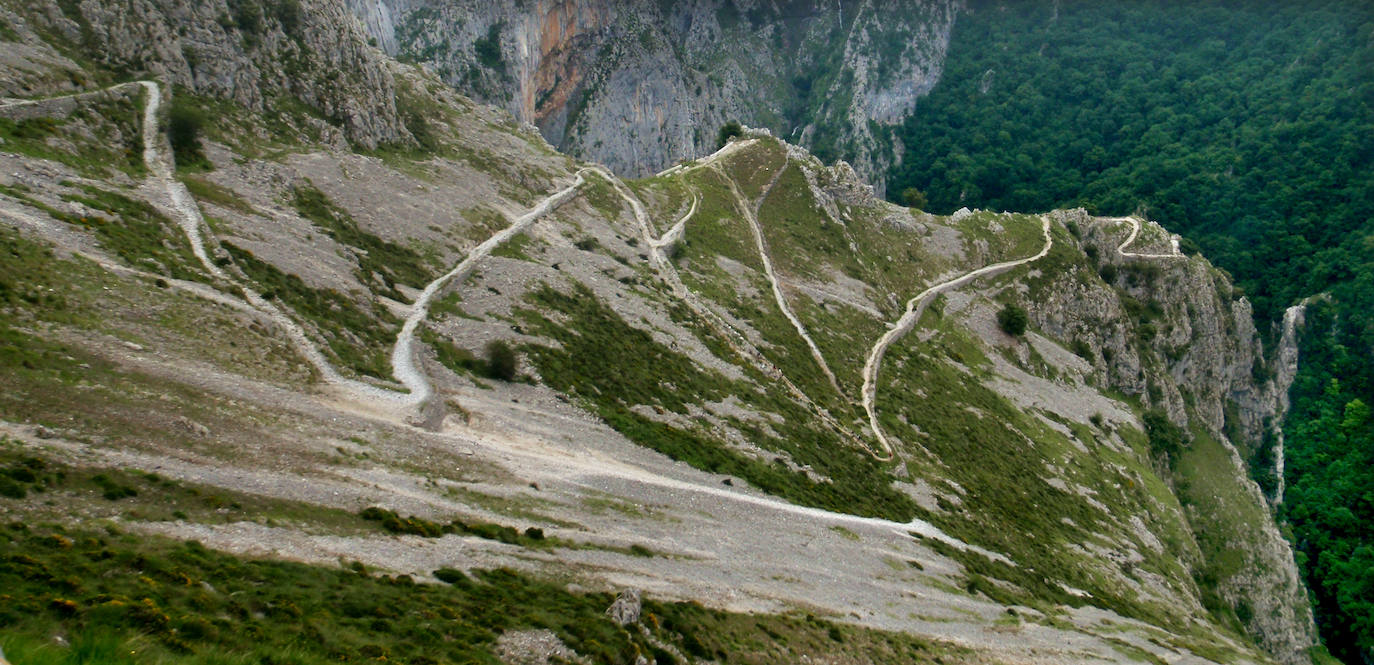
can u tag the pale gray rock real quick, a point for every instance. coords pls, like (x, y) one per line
(626, 608)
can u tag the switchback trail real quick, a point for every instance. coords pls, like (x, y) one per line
(403, 365)
(1135, 231)
(914, 308)
(157, 156)
(733, 338)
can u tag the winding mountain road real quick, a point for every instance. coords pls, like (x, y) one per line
(403, 365)
(157, 155)
(733, 338)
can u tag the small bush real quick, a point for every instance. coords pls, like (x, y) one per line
(1013, 320)
(12, 490)
(1108, 273)
(184, 127)
(1167, 440)
(488, 49)
(914, 198)
(500, 361)
(112, 490)
(728, 131)
(450, 576)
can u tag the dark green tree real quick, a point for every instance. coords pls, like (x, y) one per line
(184, 126)
(728, 131)
(1013, 320)
(914, 198)
(501, 363)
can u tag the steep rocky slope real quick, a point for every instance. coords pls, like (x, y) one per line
(687, 414)
(641, 85)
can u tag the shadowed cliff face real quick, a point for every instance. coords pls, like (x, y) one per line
(641, 85)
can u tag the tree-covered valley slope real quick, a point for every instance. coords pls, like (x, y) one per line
(1249, 129)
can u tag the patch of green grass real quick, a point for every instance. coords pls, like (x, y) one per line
(204, 190)
(486, 222)
(358, 338)
(1226, 519)
(139, 234)
(378, 258)
(514, 248)
(415, 526)
(985, 445)
(601, 195)
(846, 533)
(29, 273)
(133, 494)
(801, 238)
(129, 228)
(754, 167)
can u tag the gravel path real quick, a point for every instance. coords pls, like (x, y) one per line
(674, 234)
(737, 342)
(157, 155)
(403, 365)
(1135, 231)
(761, 244)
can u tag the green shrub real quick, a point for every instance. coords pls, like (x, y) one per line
(111, 489)
(914, 198)
(728, 131)
(11, 489)
(501, 362)
(488, 48)
(1167, 440)
(185, 123)
(1013, 319)
(450, 576)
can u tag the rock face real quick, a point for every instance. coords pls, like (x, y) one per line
(626, 608)
(639, 86)
(1170, 332)
(256, 55)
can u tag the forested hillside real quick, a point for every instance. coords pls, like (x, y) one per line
(1245, 126)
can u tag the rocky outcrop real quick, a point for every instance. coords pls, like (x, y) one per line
(639, 86)
(254, 54)
(1171, 332)
(626, 608)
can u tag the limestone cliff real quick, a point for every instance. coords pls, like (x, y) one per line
(254, 54)
(1171, 332)
(639, 86)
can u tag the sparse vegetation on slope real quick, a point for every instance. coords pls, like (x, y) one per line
(124, 599)
(616, 367)
(359, 339)
(378, 260)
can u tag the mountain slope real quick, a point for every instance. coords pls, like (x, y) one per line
(686, 414)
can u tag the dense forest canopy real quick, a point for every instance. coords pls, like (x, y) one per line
(1246, 126)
